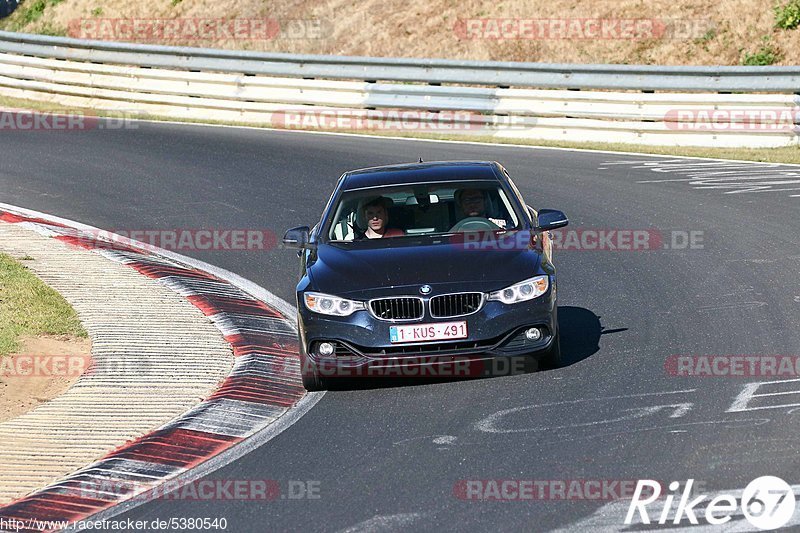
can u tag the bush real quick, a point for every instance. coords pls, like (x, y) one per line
(766, 55)
(31, 11)
(787, 16)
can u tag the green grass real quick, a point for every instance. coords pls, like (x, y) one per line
(29, 308)
(766, 55)
(28, 12)
(33, 11)
(787, 16)
(53, 31)
(789, 154)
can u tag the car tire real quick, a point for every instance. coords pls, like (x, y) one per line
(552, 359)
(312, 383)
(311, 380)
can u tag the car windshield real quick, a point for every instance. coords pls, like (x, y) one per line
(421, 210)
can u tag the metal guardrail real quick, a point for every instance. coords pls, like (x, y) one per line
(497, 74)
(477, 98)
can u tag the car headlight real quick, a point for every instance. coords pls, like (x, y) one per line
(331, 305)
(522, 291)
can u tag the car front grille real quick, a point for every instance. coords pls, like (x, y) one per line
(403, 308)
(451, 305)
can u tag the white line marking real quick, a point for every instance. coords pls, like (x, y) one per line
(748, 393)
(488, 423)
(738, 178)
(376, 524)
(727, 424)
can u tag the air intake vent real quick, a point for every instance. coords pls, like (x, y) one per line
(407, 308)
(451, 305)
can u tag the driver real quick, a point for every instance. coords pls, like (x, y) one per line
(473, 204)
(376, 213)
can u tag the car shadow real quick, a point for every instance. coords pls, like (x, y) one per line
(580, 339)
(580, 334)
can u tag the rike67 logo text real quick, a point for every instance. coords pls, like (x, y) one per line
(767, 503)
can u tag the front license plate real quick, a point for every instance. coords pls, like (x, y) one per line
(428, 332)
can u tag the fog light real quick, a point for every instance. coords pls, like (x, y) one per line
(533, 334)
(326, 348)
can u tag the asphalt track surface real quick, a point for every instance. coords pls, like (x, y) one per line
(389, 458)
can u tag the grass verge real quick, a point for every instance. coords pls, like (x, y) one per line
(29, 308)
(788, 154)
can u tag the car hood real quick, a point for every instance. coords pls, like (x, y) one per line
(368, 272)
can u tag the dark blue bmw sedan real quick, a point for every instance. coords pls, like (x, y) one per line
(434, 269)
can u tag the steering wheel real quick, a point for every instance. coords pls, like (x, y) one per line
(473, 224)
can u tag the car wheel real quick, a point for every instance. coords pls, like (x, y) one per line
(552, 359)
(311, 380)
(312, 383)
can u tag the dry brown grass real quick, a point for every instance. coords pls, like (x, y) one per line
(426, 28)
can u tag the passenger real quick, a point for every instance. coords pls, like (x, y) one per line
(473, 204)
(376, 213)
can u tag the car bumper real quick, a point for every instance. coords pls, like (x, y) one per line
(496, 341)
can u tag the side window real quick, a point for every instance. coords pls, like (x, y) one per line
(343, 230)
(343, 223)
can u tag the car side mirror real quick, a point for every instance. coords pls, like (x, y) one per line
(298, 238)
(551, 219)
